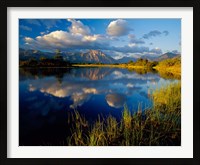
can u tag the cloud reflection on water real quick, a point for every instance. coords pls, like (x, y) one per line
(79, 85)
(116, 100)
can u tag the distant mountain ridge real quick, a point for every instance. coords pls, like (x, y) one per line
(37, 54)
(92, 56)
(167, 55)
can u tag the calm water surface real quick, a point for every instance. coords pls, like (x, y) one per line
(47, 95)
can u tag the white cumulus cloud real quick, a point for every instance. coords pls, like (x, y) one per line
(63, 40)
(78, 27)
(78, 36)
(118, 28)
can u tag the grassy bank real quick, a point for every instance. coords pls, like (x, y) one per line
(167, 74)
(100, 65)
(159, 125)
(170, 65)
(166, 68)
(126, 66)
(173, 69)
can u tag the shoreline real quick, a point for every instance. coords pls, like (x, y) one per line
(172, 70)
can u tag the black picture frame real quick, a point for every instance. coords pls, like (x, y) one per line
(99, 3)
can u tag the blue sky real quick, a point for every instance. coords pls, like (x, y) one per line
(115, 37)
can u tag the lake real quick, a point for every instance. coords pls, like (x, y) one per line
(47, 95)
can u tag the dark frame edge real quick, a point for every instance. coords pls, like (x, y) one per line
(101, 3)
(3, 84)
(3, 102)
(196, 82)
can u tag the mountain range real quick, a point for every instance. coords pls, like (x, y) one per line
(92, 56)
(167, 55)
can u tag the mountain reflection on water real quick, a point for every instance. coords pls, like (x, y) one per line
(47, 95)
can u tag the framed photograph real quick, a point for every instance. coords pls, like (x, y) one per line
(92, 79)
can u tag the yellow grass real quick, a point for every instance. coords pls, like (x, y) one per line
(157, 126)
(109, 65)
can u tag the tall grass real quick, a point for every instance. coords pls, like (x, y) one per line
(172, 65)
(159, 125)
